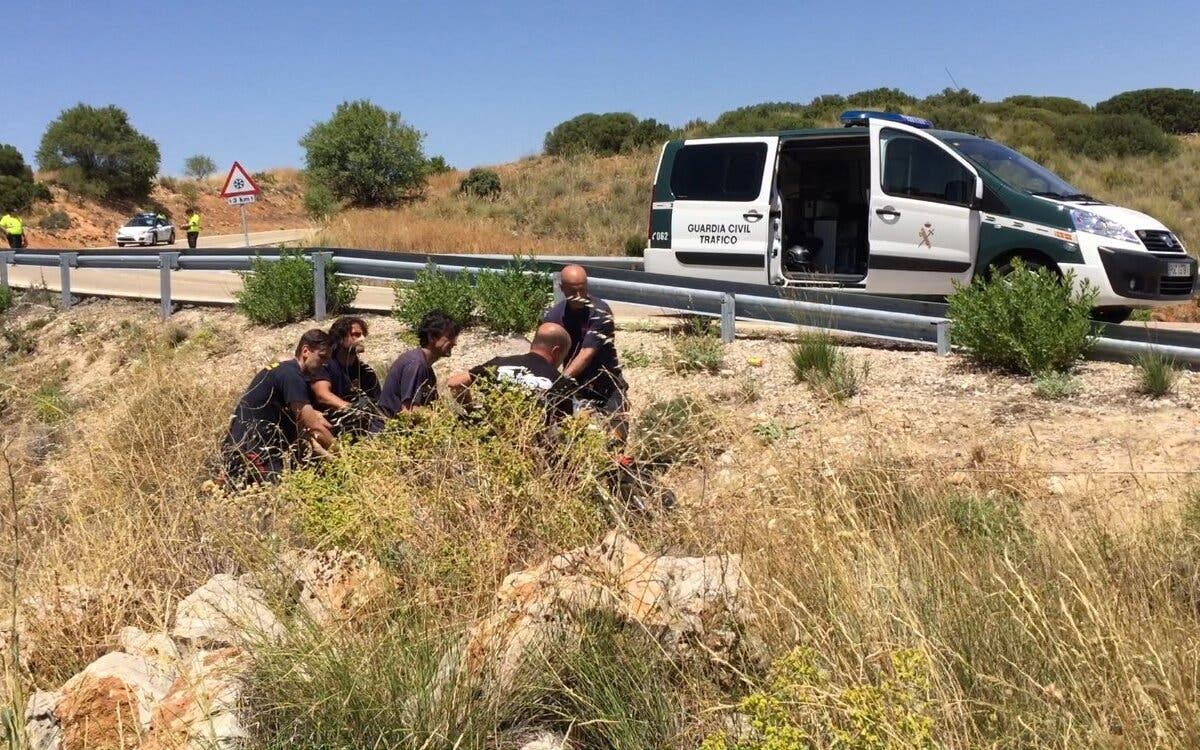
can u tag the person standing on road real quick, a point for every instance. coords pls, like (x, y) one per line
(410, 382)
(592, 360)
(193, 227)
(14, 229)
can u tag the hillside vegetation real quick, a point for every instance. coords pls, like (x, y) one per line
(596, 199)
(928, 562)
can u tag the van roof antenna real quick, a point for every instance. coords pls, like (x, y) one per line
(952, 78)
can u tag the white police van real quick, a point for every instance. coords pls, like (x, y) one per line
(888, 205)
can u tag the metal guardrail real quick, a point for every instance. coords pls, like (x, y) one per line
(893, 318)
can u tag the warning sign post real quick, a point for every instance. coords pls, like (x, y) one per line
(240, 189)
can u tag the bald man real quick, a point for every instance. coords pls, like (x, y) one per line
(592, 360)
(536, 371)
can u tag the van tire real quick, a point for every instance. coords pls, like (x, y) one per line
(1112, 315)
(1005, 266)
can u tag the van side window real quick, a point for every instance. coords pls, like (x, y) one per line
(719, 172)
(916, 168)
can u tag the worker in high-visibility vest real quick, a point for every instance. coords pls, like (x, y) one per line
(14, 229)
(193, 227)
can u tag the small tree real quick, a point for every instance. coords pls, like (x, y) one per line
(17, 188)
(199, 167)
(482, 183)
(603, 135)
(1172, 110)
(365, 155)
(96, 150)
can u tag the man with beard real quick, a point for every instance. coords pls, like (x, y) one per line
(346, 388)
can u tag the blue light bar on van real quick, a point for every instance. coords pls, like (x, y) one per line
(861, 117)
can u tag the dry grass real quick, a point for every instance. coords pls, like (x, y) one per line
(548, 205)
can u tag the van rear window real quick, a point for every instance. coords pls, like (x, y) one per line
(719, 171)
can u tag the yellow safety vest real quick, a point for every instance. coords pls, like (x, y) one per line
(14, 226)
(5, 221)
(194, 223)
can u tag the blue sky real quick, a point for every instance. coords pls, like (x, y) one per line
(486, 80)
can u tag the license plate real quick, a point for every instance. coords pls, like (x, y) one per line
(1179, 269)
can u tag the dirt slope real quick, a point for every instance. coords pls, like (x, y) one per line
(95, 224)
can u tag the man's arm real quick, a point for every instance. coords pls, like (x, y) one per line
(324, 395)
(459, 384)
(312, 422)
(582, 359)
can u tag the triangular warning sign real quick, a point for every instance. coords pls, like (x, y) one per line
(238, 182)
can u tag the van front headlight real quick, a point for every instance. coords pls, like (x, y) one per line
(1086, 221)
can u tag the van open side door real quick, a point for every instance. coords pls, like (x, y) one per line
(721, 223)
(923, 213)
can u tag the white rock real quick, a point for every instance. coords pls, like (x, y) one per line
(42, 731)
(226, 611)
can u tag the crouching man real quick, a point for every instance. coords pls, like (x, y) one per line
(536, 371)
(276, 414)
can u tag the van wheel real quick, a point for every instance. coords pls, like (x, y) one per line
(1113, 315)
(1030, 264)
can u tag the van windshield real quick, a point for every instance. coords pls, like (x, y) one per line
(1016, 169)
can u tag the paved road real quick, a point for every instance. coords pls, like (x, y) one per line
(257, 239)
(205, 287)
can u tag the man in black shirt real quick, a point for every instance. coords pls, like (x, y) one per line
(340, 386)
(275, 413)
(592, 360)
(535, 371)
(410, 381)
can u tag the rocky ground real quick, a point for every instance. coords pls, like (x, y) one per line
(1106, 441)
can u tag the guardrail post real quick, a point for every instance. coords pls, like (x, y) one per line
(66, 261)
(319, 261)
(167, 262)
(728, 309)
(943, 338)
(558, 292)
(6, 257)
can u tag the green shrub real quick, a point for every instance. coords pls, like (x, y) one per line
(55, 220)
(365, 155)
(673, 431)
(1100, 136)
(277, 292)
(97, 152)
(1172, 110)
(6, 298)
(813, 353)
(1059, 104)
(1027, 322)
(438, 165)
(704, 353)
(957, 118)
(17, 188)
(481, 183)
(634, 358)
(635, 245)
(1157, 374)
(319, 202)
(512, 300)
(604, 134)
(818, 361)
(434, 290)
(1053, 385)
(803, 705)
(199, 166)
(996, 519)
(761, 118)
(190, 191)
(954, 98)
